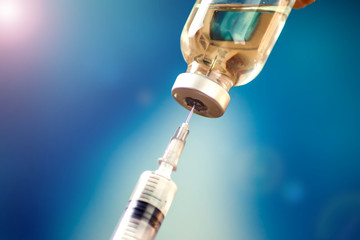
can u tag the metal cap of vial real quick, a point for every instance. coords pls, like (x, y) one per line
(209, 98)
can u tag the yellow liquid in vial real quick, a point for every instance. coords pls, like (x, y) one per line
(230, 43)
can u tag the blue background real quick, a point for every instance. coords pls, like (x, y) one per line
(85, 107)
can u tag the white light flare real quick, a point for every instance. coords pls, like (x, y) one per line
(10, 13)
(20, 22)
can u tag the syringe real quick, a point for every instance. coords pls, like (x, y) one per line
(153, 194)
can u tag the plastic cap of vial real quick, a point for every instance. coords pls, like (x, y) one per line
(210, 99)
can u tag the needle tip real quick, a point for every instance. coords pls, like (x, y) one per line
(190, 114)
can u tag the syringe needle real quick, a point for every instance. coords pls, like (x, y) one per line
(168, 162)
(190, 114)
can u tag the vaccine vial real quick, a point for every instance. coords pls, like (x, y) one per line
(226, 44)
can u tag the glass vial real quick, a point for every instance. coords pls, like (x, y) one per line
(226, 44)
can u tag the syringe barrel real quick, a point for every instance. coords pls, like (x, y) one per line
(148, 205)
